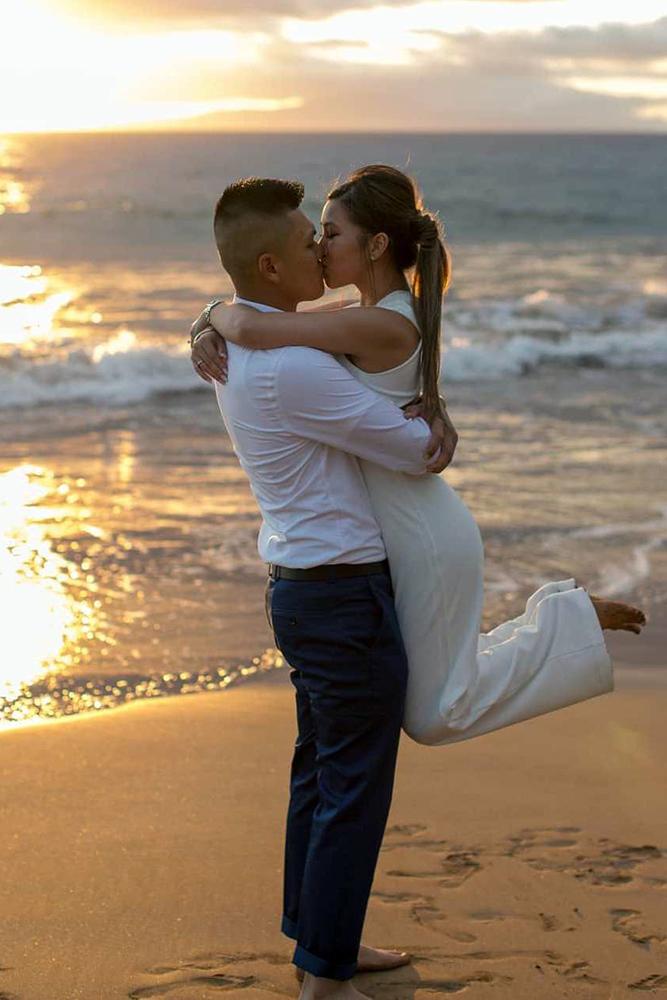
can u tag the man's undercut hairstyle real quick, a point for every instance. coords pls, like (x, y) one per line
(250, 219)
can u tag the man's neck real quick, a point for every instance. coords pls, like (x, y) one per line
(267, 298)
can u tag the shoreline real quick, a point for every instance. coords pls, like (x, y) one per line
(638, 661)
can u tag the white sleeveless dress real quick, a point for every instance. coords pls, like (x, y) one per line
(463, 683)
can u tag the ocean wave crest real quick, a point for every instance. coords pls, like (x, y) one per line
(124, 372)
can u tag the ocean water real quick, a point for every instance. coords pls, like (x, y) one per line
(128, 565)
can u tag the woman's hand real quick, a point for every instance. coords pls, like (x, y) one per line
(209, 353)
(442, 444)
(443, 441)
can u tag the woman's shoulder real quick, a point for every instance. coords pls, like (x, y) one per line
(399, 301)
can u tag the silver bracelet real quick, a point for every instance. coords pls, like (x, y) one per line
(209, 306)
(206, 314)
(200, 333)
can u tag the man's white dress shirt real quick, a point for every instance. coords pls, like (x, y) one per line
(297, 418)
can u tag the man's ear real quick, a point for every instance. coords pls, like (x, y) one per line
(266, 267)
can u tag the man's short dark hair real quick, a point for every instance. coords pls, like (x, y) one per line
(249, 220)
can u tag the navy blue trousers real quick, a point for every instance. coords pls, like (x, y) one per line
(349, 669)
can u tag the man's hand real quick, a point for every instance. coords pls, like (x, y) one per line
(209, 354)
(442, 443)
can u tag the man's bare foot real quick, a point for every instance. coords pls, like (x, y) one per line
(615, 615)
(373, 960)
(377, 959)
(317, 988)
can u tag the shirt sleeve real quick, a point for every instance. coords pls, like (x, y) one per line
(320, 399)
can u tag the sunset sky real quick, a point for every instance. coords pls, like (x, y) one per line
(438, 65)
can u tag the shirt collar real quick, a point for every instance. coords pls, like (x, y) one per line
(262, 306)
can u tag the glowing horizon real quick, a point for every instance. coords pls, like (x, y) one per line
(104, 66)
(151, 114)
(122, 74)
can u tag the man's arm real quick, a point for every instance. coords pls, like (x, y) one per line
(321, 400)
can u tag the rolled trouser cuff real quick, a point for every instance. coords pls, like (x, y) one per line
(288, 927)
(322, 966)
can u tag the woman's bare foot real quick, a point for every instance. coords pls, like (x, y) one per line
(616, 615)
(319, 988)
(373, 960)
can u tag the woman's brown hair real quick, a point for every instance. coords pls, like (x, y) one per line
(382, 199)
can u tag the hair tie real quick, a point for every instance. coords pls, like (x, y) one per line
(425, 229)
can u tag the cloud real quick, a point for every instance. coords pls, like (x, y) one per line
(560, 79)
(202, 13)
(394, 69)
(618, 61)
(198, 13)
(435, 94)
(612, 43)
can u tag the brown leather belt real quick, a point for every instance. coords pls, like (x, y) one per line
(333, 571)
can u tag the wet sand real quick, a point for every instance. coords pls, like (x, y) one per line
(142, 851)
(129, 535)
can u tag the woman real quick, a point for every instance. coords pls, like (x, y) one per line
(461, 683)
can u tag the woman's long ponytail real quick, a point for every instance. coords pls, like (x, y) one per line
(431, 280)
(382, 199)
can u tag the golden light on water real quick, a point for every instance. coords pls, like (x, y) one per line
(17, 283)
(126, 456)
(123, 341)
(14, 195)
(40, 617)
(30, 303)
(77, 635)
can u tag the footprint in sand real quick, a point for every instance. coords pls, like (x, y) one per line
(454, 869)
(434, 918)
(406, 829)
(654, 982)
(193, 978)
(411, 835)
(573, 970)
(628, 923)
(453, 984)
(546, 921)
(598, 861)
(579, 971)
(567, 850)
(423, 911)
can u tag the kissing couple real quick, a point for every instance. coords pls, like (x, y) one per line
(375, 564)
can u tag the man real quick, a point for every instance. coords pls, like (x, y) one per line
(298, 420)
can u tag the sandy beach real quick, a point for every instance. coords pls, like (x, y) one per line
(142, 852)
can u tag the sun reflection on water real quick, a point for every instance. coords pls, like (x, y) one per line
(30, 303)
(78, 634)
(14, 195)
(42, 621)
(126, 456)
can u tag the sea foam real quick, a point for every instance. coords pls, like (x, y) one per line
(130, 373)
